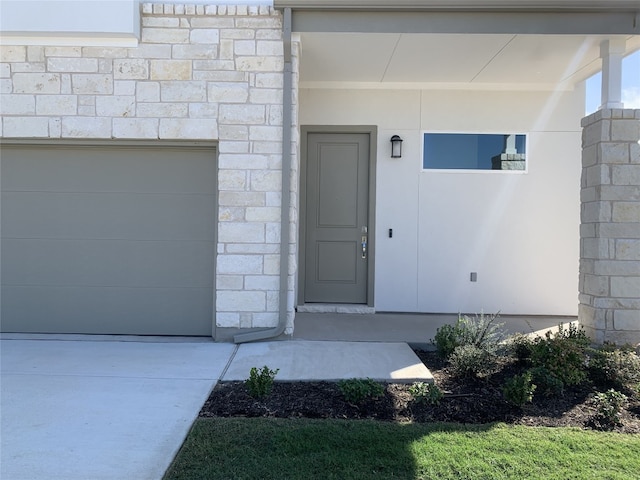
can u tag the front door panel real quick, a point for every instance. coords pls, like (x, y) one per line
(337, 192)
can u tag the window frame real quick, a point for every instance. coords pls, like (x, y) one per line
(423, 133)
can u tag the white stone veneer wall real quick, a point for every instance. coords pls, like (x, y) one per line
(199, 73)
(610, 229)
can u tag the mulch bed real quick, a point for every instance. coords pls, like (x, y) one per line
(466, 401)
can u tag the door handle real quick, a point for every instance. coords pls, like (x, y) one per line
(364, 246)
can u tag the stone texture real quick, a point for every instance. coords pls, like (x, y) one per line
(200, 72)
(57, 104)
(610, 230)
(135, 128)
(18, 105)
(177, 128)
(24, 127)
(67, 65)
(165, 35)
(131, 68)
(92, 84)
(241, 301)
(239, 264)
(627, 320)
(39, 83)
(188, 91)
(241, 232)
(84, 127)
(13, 53)
(115, 106)
(170, 70)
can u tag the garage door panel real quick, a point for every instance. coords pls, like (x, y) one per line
(108, 238)
(99, 169)
(113, 216)
(107, 263)
(107, 310)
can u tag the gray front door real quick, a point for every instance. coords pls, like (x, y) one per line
(337, 211)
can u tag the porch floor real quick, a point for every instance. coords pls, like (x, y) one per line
(413, 328)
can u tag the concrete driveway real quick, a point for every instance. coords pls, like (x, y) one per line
(115, 408)
(101, 410)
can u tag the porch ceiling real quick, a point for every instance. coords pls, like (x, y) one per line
(450, 60)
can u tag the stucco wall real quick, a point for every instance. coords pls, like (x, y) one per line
(519, 232)
(199, 73)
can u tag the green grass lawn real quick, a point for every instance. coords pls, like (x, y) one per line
(257, 448)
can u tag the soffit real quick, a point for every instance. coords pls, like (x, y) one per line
(437, 60)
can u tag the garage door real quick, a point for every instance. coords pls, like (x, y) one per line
(108, 239)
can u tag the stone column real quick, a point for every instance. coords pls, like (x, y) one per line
(609, 282)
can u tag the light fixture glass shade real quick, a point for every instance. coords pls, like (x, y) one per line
(396, 147)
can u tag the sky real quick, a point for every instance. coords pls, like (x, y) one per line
(630, 85)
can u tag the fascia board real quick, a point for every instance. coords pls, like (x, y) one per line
(468, 5)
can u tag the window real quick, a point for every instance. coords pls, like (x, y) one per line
(474, 151)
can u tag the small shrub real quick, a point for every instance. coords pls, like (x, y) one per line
(446, 340)
(482, 332)
(519, 389)
(356, 390)
(563, 354)
(546, 383)
(619, 368)
(609, 407)
(260, 382)
(471, 361)
(521, 347)
(479, 331)
(426, 393)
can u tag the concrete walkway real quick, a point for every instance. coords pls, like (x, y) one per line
(304, 360)
(113, 408)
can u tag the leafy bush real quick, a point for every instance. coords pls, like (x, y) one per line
(521, 347)
(478, 331)
(616, 367)
(562, 354)
(546, 383)
(609, 407)
(260, 382)
(356, 390)
(519, 389)
(472, 361)
(446, 340)
(426, 392)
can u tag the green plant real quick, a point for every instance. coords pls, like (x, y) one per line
(260, 382)
(426, 392)
(519, 389)
(619, 368)
(609, 407)
(562, 354)
(356, 390)
(546, 382)
(521, 347)
(472, 361)
(446, 340)
(480, 331)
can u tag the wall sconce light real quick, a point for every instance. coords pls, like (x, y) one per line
(396, 147)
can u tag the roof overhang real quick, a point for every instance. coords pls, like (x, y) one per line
(468, 5)
(460, 44)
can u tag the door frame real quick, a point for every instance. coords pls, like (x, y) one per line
(305, 130)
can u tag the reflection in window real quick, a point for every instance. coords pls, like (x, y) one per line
(469, 151)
